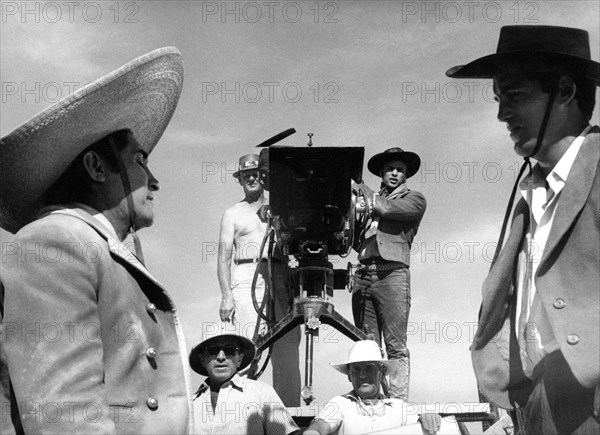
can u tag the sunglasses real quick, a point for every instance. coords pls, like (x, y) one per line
(249, 175)
(230, 350)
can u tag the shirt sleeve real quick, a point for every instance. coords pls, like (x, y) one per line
(410, 207)
(277, 419)
(333, 412)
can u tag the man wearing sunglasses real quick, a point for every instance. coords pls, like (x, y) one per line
(241, 234)
(227, 403)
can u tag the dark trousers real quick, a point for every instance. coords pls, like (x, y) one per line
(558, 404)
(380, 305)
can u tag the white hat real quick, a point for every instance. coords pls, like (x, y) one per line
(140, 96)
(363, 351)
(223, 330)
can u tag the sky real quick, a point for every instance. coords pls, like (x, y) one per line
(353, 73)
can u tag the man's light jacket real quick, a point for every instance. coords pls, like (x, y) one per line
(91, 342)
(567, 280)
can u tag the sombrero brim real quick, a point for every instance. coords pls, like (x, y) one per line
(345, 367)
(140, 96)
(412, 160)
(523, 62)
(247, 348)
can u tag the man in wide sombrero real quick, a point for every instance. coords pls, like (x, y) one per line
(91, 342)
(537, 346)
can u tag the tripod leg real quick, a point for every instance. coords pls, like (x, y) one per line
(307, 391)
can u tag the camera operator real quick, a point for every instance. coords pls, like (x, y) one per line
(241, 234)
(381, 289)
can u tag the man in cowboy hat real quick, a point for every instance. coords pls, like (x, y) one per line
(537, 345)
(243, 228)
(227, 403)
(365, 409)
(91, 342)
(381, 289)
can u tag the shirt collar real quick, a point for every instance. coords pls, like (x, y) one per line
(398, 190)
(557, 177)
(99, 217)
(354, 398)
(236, 382)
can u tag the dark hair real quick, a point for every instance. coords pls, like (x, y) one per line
(75, 184)
(585, 92)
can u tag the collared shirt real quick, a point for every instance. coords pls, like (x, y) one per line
(348, 414)
(542, 194)
(244, 406)
(100, 217)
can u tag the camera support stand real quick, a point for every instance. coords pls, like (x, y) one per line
(314, 306)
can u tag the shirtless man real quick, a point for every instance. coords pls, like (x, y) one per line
(242, 232)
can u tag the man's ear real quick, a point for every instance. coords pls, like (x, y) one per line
(95, 166)
(240, 359)
(566, 90)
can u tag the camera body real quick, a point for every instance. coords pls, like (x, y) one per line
(311, 198)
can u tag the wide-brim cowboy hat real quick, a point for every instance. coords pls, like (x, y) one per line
(535, 49)
(246, 347)
(363, 351)
(140, 96)
(412, 161)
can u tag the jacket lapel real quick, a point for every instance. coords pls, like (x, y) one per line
(115, 247)
(576, 191)
(497, 288)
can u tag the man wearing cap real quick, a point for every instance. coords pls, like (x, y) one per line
(364, 409)
(227, 403)
(91, 342)
(537, 346)
(381, 289)
(243, 228)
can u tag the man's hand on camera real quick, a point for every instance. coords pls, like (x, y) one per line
(227, 309)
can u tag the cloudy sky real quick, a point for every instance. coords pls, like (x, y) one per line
(354, 73)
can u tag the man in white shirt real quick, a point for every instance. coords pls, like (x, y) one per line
(227, 403)
(542, 293)
(364, 409)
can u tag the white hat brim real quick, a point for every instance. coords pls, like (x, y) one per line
(345, 367)
(140, 96)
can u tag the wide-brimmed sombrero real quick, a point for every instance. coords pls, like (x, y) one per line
(246, 347)
(535, 49)
(140, 96)
(412, 161)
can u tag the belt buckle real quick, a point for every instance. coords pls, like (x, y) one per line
(372, 267)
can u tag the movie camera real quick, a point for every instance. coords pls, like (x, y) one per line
(313, 213)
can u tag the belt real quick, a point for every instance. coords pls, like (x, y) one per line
(380, 267)
(254, 260)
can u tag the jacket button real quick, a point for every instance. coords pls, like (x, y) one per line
(572, 338)
(559, 303)
(151, 352)
(152, 403)
(151, 308)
